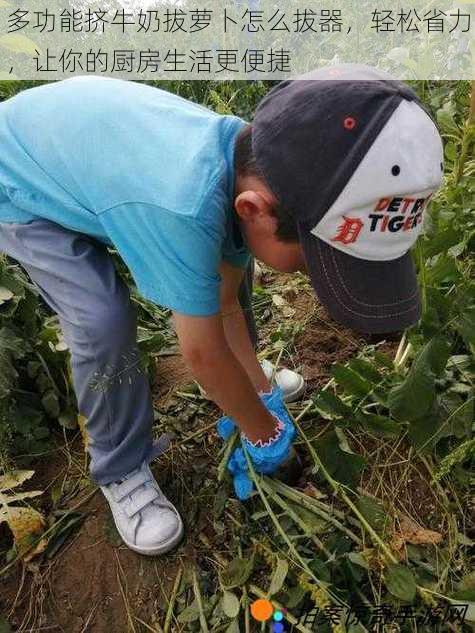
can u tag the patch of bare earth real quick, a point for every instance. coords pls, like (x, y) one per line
(93, 583)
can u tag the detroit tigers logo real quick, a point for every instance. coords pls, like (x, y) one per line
(349, 230)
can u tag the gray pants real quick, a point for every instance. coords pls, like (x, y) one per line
(76, 277)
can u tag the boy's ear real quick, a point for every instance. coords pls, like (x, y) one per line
(251, 205)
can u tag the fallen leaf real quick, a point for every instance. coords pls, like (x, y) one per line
(19, 496)
(36, 551)
(278, 577)
(409, 531)
(15, 478)
(5, 295)
(26, 525)
(278, 301)
(288, 312)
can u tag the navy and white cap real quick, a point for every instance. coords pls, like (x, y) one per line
(355, 157)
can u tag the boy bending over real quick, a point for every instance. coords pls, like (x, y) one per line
(332, 177)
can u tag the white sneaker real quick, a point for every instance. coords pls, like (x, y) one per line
(147, 522)
(291, 383)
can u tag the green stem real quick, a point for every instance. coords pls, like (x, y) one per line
(295, 518)
(227, 454)
(171, 604)
(422, 273)
(247, 619)
(339, 491)
(307, 502)
(335, 599)
(405, 356)
(197, 592)
(400, 348)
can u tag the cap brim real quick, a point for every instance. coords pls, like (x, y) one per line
(372, 297)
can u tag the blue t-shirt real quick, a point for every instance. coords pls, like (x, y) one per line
(135, 167)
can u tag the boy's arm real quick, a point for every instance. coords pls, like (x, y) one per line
(206, 350)
(235, 326)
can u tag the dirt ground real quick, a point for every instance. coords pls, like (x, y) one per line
(93, 584)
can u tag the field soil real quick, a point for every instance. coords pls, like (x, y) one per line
(93, 583)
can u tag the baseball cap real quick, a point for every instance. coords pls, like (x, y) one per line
(354, 156)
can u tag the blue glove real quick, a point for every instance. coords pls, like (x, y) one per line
(266, 459)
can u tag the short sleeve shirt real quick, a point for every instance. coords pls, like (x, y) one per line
(136, 167)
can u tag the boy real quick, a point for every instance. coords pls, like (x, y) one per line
(332, 178)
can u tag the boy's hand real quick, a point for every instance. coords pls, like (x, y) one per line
(266, 457)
